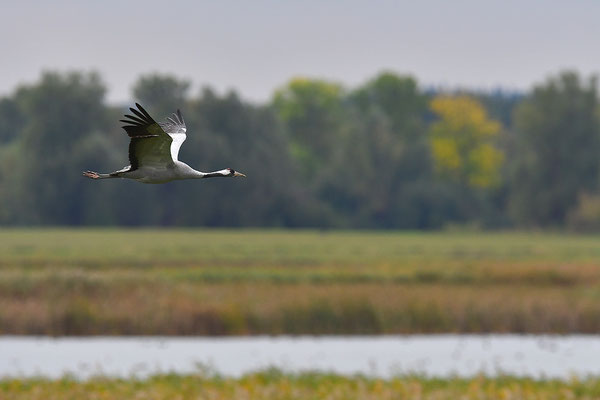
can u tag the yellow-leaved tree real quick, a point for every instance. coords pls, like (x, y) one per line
(462, 142)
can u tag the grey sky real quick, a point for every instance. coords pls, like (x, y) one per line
(256, 46)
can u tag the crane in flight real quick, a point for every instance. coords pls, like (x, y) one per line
(153, 151)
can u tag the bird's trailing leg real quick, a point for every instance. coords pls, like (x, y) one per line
(95, 175)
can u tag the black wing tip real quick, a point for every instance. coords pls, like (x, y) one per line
(141, 113)
(143, 110)
(142, 116)
(137, 124)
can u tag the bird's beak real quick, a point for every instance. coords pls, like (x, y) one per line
(238, 174)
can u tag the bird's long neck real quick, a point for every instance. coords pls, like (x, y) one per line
(214, 174)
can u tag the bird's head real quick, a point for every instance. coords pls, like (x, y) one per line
(233, 173)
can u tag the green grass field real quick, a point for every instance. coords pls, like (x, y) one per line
(273, 385)
(188, 282)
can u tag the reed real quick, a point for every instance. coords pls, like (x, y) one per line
(230, 282)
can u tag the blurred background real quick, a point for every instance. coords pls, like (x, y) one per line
(414, 168)
(386, 115)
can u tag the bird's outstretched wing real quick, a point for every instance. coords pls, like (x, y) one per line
(152, 143)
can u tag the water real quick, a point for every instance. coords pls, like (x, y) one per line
(383, 356)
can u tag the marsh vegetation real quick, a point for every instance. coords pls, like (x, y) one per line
(274, 385)
(237, 282)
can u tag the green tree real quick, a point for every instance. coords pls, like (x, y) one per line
(12, 120)
(62, 114)
(313, 114)
(557, 147)
(398, 98)
(384, 154)
(360, 181)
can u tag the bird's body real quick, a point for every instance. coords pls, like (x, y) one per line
(154, 150)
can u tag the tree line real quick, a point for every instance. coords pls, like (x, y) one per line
(387, 154)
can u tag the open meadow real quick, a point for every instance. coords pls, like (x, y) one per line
(237, 282)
